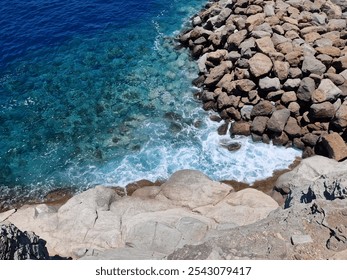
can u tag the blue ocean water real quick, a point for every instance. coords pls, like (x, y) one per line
(97, 92)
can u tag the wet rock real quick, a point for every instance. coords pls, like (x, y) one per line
(240, 128)
(232, 146)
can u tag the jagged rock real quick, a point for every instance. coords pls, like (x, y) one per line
(329, 50)
(278, 120)
(306, 88)
(235, 39)
(18, 245)
(217, 73)
(340, 64)
(310, 139)
(291, 84)
(311, 65)
(246, 111)
(269, 84)
(326, 91)
(265, 45)
(260, 64)
(316, 178)
(245, 85)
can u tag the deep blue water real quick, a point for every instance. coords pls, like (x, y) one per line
(95, 92)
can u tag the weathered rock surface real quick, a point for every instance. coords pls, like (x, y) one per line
(18, 245)
(154, 221)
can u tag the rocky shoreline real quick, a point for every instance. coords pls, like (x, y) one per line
(275, 70)
(191, 217)
(261, 68)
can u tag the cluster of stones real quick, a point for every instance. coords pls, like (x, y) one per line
(275, 70)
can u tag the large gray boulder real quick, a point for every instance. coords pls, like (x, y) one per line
(316, 177)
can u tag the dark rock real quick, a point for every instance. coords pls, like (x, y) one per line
(217, 73)
(308, 152)
(215, 118)
(306, 88)
(232, 146)
(223, 129)
(310, 139)
(297, 143)
(18, 245)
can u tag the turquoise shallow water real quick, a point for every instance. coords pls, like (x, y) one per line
(105, 97)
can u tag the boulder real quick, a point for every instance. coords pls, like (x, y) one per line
(278, 120)
(240, 208)
(259, 125)
(311, 65)
(235, 39)
(292, 128)
(260, 64)
(265, 45)
(240, 128)
(326, 91)
(306, 88)
(315, 177)
(217, 73)
(333, 146)
(193, 189)
(341, 116)
(245, 85)
(281, 69)
(288, 97)
(269, 84)
(263, 108)
(322, 111)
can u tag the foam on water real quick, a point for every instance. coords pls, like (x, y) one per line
(112, 107)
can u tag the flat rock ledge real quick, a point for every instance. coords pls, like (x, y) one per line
(193, 217)
(275, 70)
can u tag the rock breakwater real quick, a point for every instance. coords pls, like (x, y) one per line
(275, 70)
